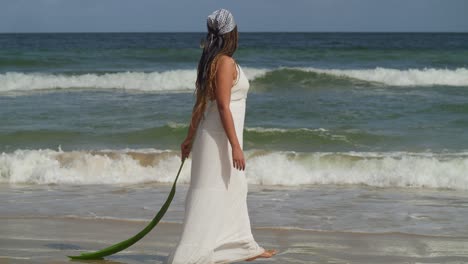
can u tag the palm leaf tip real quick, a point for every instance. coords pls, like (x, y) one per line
(84, 257)
(127, 243)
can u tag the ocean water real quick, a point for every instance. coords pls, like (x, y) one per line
(344, 131)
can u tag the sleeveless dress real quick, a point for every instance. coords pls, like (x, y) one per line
(216, 226)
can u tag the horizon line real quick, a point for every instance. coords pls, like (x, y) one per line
(294, 32)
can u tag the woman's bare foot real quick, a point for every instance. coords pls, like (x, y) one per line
(266, 254)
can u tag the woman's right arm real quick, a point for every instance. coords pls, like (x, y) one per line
(224, 79)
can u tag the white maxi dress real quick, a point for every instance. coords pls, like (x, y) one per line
(216, 226)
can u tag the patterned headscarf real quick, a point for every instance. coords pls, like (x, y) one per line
(221, 21)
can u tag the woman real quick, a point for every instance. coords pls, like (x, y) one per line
(216, 225)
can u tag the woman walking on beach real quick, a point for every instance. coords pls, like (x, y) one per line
(216, 226)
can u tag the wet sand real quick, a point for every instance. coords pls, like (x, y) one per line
(50, 240)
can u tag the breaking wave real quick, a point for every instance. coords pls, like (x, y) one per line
(183, 80)
(387, 169)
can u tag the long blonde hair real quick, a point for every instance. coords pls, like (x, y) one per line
(225, 44)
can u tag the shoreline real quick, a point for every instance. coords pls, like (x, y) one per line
(51, 239)
(257, 228)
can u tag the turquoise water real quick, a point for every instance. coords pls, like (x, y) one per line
(380, 105)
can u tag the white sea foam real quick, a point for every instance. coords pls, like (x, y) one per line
(392, 169)
(154, 81)
(396, 77)
(395, 169)
(261, 129)
(105, 167)
(283, 130)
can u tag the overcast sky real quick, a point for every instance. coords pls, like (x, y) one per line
(250, 15)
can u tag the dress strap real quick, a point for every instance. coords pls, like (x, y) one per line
(238, 73)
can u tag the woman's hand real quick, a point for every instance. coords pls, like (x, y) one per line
(238, 158)
(185, 148)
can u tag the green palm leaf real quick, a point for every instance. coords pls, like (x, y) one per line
(127, 243)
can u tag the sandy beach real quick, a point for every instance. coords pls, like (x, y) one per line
(50, 240)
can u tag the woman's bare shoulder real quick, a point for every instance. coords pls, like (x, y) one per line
(226, 64)
(226, 61)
